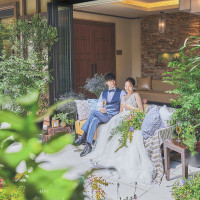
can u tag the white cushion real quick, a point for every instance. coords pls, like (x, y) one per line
(165, 115)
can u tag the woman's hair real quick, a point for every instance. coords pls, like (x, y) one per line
(131, 80)
(109, 77)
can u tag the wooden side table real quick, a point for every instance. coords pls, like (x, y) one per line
(180, 148)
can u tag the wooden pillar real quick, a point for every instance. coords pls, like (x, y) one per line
(38, 7)
(16, 10)
(23, 9)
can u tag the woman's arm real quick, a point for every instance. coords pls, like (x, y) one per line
(121, 108)
(138, 101)
(122, 100)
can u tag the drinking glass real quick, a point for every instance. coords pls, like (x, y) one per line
(104, 103)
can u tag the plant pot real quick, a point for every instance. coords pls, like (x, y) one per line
(63, 124)
(194, 161)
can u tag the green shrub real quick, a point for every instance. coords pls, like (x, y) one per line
(187, 190)
(184, 75)
(40, 183)
(26, 69)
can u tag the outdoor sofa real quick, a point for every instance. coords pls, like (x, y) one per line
(152, 144)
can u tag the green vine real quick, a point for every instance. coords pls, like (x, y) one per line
(126, 129)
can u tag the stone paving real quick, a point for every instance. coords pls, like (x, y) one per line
(69, 158)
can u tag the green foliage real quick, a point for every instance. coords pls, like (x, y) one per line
(189, 138)
(64, 118)
(40, 184)
(69, 107)
(12, 194)
(129, 124)
(35, 34)
(187, 190)
(184, 75)
(96, 84)
(4, 35)
(26, 69)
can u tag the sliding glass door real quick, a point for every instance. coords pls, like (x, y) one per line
(61, 16)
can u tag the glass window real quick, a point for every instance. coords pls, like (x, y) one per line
(6, 18)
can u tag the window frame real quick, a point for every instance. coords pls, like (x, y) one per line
(10, 6)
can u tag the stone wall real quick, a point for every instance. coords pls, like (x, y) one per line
(178, 27)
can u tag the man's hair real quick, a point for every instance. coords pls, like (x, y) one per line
(109, 77)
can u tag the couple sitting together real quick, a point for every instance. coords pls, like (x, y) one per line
(132, 163)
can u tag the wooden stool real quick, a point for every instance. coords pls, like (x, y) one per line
(180, 148)
(53, 131)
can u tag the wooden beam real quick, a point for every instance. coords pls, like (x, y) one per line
(16, 10)
(38, 6)
(7, 6)
(73, 1)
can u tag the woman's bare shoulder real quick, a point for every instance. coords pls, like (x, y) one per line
(136, 95)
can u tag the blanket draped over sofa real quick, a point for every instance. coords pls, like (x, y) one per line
(152, 145)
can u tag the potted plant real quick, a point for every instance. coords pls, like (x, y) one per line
(184, 75)
(63, 117)
(69, 107)
(96, 85)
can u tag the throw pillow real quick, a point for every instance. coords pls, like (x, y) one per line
(82, 109)
(151, 122)
(144, 83)
(165, 115)
(149, 107)
(92, 104)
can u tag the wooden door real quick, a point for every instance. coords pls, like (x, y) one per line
(104, 54)
(82, 55)
(94, 50)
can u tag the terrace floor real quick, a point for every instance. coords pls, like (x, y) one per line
(70, 157)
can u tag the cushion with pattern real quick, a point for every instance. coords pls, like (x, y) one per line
(82, 109)
(92, 104)
(151, 122)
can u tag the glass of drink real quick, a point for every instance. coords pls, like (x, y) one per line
(178, 131)
(104, 103)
